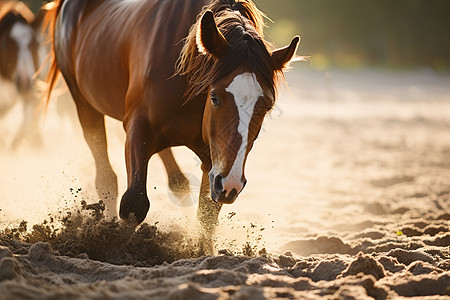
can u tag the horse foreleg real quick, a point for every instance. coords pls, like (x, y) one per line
(207, 214)
(138, 150)
(93, 125)
(178, 183)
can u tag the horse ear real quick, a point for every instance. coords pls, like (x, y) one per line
(283, 56)
(209, 39)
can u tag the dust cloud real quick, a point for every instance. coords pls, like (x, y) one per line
(348, 196)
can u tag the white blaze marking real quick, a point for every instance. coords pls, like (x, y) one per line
(246, 91)
(23, 35)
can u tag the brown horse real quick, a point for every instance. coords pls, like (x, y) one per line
(126, 59)
(178, 182)
(18, 63)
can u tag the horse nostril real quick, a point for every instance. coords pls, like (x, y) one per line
(218, 184)
(244, 183)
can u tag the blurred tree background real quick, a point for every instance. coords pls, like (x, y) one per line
(356, 33)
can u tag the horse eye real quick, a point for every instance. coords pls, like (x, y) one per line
(214, 99)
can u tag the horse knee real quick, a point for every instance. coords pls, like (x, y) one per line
(134, 203)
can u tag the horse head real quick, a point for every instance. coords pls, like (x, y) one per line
(242, 90)
(18, 55)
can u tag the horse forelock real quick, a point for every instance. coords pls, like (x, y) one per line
(241, 23)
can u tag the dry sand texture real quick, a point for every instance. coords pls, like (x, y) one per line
(348, 198)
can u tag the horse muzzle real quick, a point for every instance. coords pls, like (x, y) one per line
(224, 192)
(223, 199)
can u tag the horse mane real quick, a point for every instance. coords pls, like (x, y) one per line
(241, 23)
(39, 19)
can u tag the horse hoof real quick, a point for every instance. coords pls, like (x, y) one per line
(134, 204)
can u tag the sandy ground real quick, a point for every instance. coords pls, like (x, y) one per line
(348, 197)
